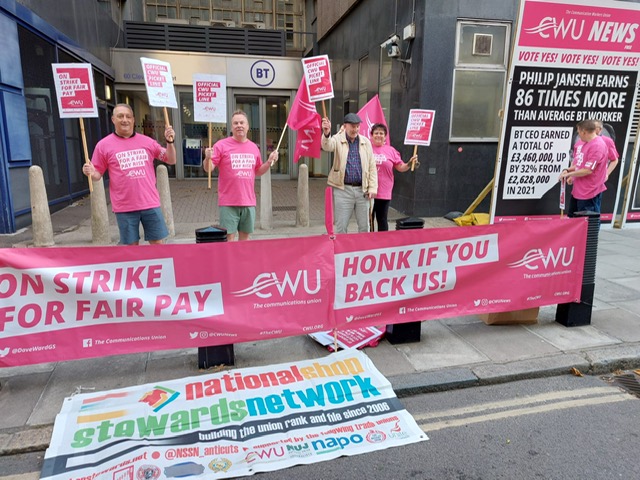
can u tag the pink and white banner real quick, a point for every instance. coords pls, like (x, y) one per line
(75, 90)
(159, 83)
(317, 75)
(209, 98)
(69, 303)
(419, 127)
(227, 425)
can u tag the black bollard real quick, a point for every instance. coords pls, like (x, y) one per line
(219, 354)
(410, 331)
(577, 314)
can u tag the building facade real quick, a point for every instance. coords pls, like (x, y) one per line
(443, 55)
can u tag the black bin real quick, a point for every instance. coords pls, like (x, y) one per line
(219, 354)
(405, 332)
(578, 314)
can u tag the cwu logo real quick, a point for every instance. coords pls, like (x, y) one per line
(536, 258)
(266, 284)
(559, 29)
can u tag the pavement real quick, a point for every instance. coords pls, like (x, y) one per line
(453, 352)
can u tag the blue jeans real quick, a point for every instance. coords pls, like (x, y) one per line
(590, 205)
(152, 222)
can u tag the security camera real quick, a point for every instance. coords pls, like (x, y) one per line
(393, 51)
(392, 39)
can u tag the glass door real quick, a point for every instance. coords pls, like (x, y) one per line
(267, 120)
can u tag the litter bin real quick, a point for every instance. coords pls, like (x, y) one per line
(410, 331)
(219, 354)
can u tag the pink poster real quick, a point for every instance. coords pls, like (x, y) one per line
(317, 76)
(69, 303)
(74, 90)
(412, 275)
(419, 127)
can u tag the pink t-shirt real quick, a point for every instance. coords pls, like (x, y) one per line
(386, 158)
(612, 154)
(237, 164)
(132, 178)
(591, 155)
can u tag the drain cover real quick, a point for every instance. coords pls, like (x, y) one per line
(629, 382)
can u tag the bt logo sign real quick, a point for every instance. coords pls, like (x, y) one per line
(262, 73)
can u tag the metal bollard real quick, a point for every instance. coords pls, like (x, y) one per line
(410, 331)
(218, 354)
(577, 314)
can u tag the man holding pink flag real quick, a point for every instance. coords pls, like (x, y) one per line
(353, 175)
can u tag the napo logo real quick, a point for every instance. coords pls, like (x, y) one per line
(148, 472)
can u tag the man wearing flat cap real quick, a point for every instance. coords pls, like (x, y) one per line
(353, 175)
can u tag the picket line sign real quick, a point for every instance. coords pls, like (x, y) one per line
(158, 81)
(75, 91)
(317, 75)
(419, 127)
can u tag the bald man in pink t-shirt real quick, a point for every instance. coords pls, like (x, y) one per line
(239, 162)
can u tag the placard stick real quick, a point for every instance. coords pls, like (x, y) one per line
(335, 339)
(86, 151)
(209, 174)
(166, 120)
(563, 187)
(324, 110)
(413, 162)
(281, 136)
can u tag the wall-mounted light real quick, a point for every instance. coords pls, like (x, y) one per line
(107, 92)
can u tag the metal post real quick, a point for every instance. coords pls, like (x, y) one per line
(410, 331)
(578, 314)
(219, 354)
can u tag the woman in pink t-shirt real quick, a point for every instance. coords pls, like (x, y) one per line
(387, 159)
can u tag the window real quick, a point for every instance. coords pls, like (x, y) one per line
(384, 83)
(363, 81)
(346, 89)
(479, 80)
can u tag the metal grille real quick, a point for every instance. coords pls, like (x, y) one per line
(196, 38)
(629, 382)
(287, 208)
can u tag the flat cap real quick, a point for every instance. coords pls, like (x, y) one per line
(352, 118)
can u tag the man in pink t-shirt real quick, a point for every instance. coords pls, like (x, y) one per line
(588, 171)
(612, 155)
(239, 162)
(128, 157)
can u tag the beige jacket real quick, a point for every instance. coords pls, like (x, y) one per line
(340, 148)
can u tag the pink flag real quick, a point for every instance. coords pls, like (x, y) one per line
(302, 110)
(371, 114)
(309, 140)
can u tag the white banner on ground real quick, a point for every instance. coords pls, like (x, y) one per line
(230, 424)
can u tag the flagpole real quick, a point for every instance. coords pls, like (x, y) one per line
(209, 173)
(282, 136)
(166, 121)
(86, 151)
(413, 162)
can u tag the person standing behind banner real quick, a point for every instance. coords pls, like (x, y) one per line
(612, 155)
(353, 175)
(387, 159)
(588, 170)
(128, 157)
(239, 162)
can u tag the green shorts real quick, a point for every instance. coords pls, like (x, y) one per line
(235, 219)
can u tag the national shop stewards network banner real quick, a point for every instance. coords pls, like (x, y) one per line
(69, 303)
(230, 424)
